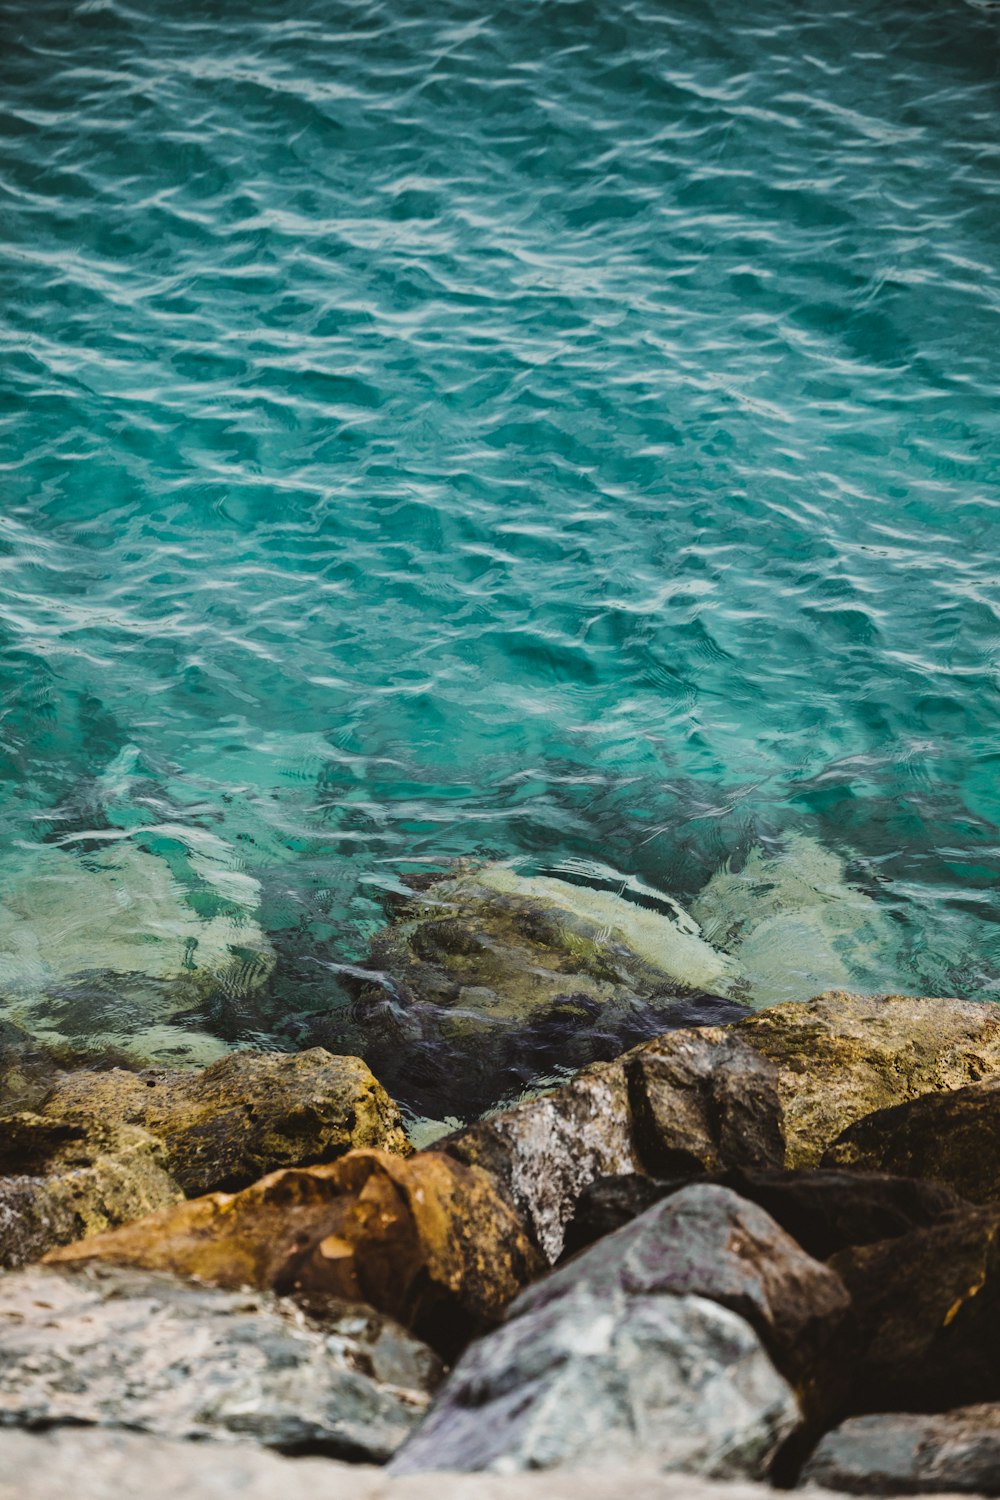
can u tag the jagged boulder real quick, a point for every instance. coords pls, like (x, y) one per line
(127, 1348)
(427, 1240)
(911, 1453)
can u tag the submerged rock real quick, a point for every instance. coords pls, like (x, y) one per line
(840, 1056)
(131, 1349)
(626, 1351)
(61, 1181)
(427, 1240)
(911, 1453)
(487, 981)
(247, 1114)
(951, 1138)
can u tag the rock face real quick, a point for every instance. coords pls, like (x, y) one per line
(544, 1152)
(703, 1101)
(950, 1138)
(486, 981)
(127, 1348)
(247, 1114)
(609, 1203)
(63, 1181)
(840, 1057)
(427, 1240)
(911, 1453)
(651, 1343)
(927, 1307)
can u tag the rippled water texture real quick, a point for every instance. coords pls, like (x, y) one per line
(562, 431)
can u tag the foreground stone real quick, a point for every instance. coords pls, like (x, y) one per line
(840, 1057)
(911, 1453)
(247, 1114)
(63, 1181)
(102, 1464)
(649, 1346)
(927, 1308)
(427, 1240)
(132, 1349)
(951, 1138)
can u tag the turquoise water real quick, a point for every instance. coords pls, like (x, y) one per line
(550, 431)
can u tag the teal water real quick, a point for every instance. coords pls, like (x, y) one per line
(560, 431)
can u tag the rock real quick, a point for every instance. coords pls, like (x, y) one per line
(593, 1382)
(705, 1241)
(927, 1307)
(840, 1057)
(484, 982)
(109, 1464)
(132, 1349)
(703, 1101)
(247, 1114)
(543, 1152)
(609, 1203)
(911, 1453)
(951, 1138)
(427, 1240)
(63, 1181)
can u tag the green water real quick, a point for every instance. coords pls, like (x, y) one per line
(551, 432)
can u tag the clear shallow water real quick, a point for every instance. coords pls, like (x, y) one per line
(570, 433)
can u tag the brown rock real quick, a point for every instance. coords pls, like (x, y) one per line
(947, 1138)
(249, 1113)
(840, 1056)
(544, 1152)
(702, 1101)
(927, 1308)
(427, 1240)
(65, 1181)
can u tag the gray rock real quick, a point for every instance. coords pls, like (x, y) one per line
(596, 1381)
(911, 1453)
(135, 1349)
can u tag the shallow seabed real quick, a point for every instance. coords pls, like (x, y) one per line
(559, 433)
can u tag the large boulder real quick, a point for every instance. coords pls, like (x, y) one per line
(951, 1138)
(927, 1310)
(660, 1341)
(427, 1240)
(911, 1453)
(247, 1114)
(839, 1057)
(126, 1348)
(61, 1181)
(485, 981)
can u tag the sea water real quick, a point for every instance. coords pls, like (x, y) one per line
(557, 433)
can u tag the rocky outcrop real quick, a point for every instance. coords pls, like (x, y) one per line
(951, 1138)
(911, 1453)
(840, 1057)
(131, 1349)
(250, 1113)
(427, 1240)
(927, 1310)
(62, 1181)
(485, 981)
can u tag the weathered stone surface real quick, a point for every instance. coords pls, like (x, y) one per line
(594, 1381)
(426, 1239)
(486, 981)
(110, 1464)
(703, 1101)
(61, 1182)
(911, 1453)
(133, 1349)
(247, 1114)
(949, 1138)
(609, 1203)
(927, 1307)
(705, 1241)
(840, 1057)
(544, 1152)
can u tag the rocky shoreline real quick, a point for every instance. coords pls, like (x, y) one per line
(764, 1252)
